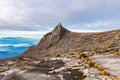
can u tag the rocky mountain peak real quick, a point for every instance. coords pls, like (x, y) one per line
(59, 25)
(52, 37)
(59, 30)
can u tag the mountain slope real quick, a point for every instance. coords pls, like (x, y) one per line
(53, 37)
(66, 62)
(61, 40)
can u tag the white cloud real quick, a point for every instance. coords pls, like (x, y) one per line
(4, 49)
(32, 15)
(4, 45)
(14, 45)
(85, 31)
(21, 45)
(26, 34)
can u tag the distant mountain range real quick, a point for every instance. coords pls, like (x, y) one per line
(14, 46)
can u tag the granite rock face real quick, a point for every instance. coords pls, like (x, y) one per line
(52, 37)
(61, 40)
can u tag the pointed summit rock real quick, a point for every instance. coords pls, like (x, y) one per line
(59, 30)
(53, 37)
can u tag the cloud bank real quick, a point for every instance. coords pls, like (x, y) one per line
(43, 15)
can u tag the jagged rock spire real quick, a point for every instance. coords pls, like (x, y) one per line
(53, 37)
(59, 30)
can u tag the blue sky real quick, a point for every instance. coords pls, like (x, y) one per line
(41, 16)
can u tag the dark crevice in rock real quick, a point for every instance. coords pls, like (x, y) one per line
(46, 66)
(73, 74)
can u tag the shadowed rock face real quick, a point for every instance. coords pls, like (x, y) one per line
(75, 75)
(52, 37)
(13, 76)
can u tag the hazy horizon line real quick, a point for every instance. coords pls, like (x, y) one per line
(36, 34)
